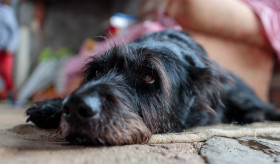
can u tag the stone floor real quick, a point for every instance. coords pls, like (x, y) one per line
(24, 143)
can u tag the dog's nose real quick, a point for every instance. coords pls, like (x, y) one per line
(81, 107)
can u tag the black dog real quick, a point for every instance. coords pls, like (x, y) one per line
(162, 82)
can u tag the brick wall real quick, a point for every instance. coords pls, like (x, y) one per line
(275, 87)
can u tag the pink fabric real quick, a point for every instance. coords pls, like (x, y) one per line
(269, 13)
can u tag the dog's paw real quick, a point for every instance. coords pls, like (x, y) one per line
(273, 115)
(45, 114)
(254, 116)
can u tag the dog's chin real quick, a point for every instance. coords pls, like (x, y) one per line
(111, 139)
(131, 130)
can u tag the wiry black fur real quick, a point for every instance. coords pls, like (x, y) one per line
(189, 90)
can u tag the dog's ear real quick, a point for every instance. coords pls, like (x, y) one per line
(198, 74)
(200, 79)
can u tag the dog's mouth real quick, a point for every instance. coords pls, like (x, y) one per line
(80, 139)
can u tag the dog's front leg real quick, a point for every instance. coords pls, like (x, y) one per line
(45, 114)
(245, 107)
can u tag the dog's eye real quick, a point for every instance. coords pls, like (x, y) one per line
(148, 79)
(97, 73)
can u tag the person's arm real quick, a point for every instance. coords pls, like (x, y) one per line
(230, 19)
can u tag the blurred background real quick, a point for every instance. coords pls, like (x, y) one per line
(45, 43)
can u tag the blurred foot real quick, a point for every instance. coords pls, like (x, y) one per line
(10, 98)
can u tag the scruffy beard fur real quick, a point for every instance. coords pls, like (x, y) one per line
(117, 124)
(162, 82)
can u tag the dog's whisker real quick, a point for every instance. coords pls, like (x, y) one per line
(102, 37)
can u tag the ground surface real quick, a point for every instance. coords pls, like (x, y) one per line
(24, 143)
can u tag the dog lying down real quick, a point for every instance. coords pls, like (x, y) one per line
(160, 83)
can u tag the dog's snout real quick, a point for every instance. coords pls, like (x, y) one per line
(81, 107)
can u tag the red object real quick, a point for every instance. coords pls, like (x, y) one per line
(6, 69)
(111, 32)
(268, 12)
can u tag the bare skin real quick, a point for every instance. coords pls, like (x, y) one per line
(231, 19)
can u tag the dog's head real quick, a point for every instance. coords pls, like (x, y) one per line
(135, 90)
